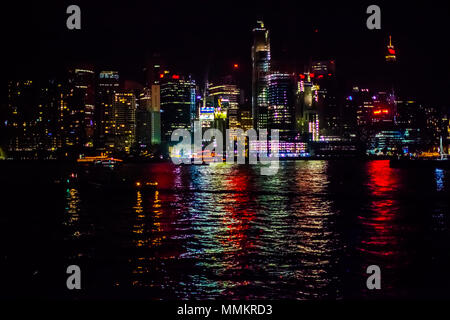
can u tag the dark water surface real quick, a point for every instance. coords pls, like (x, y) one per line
(226, 231)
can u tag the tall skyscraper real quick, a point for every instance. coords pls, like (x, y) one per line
(317, 112)
(79, 118)
(325, 97)
(178, 104)
(124, 123)
(156, 114)
(22, 115)
(306, 113)
(107, 87)
(143, 120)
(260, 67)
(281, 109)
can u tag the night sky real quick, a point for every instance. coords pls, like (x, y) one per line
(196, 36)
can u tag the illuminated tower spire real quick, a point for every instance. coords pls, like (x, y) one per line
(390, 55)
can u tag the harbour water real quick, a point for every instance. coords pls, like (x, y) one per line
(228, 232)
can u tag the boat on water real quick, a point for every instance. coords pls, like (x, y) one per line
(99, 177)
(102, 160)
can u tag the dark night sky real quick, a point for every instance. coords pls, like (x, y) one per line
(192, 35)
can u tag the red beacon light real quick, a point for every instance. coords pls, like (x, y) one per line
(175, 76)
(235, 66)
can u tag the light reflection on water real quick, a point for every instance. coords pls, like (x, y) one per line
(226, 231)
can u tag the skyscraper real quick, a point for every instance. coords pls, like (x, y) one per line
(124, 123)
(281, 109)
(156, 114)
(32, 118)
(22, 115)
(178, 104)
(260, 68)
(79, 116)
(108, 85)
(143, 120)
(325, 97)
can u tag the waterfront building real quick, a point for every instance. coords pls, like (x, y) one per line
(178, 104)
(124, 121)
(281, 108)
(260, 69)
(107, 87)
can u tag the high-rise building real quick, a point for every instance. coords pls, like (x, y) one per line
(246, 120)
(225, 98)
(31, 119)
(79, 116)
(22, 115)
(178, 104)
(325, 97)
(156, 115)
(143, 120)
(124, 123)
(317, 112)
(107, 87)
(260, 70)
(281, 109)
(306, 113)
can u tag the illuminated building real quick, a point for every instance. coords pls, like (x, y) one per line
(317, 114)
(220, 114)
(306, 113)
(246, 120)
(143, 120)
(148, 117)
(124, 123)
(79, 116)
(386, 142)
(383, 109)
(49, 103)
(225, 98)
(206, 114)
(107, 87)
(178, 104)
(22, 115)
(260, 70)
(156, 114)
(31, 121)
(325, 97)
(281, 109)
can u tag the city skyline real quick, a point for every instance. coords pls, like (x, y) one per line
(99, 111)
